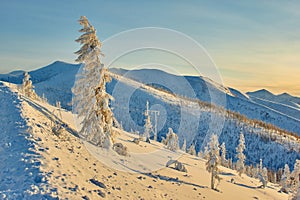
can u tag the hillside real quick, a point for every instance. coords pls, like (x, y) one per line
(188, 118)
(56, 80)
(66, 168)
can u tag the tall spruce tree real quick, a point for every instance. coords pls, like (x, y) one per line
(223, 155)
(213, 160)
(240, 166)
(91, 101)
(285, 179)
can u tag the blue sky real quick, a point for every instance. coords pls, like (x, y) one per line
(255, 44)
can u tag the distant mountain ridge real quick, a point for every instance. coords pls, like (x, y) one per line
(283, 98)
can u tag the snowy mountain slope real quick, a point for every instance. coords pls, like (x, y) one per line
(283, 108)
(284, 98)
(186, 118)
(74, 173)
(204, 88)
(56, 79)
(12, 77)
(192, 121)
(20, 176)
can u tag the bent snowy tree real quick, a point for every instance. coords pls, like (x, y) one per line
(90, 100)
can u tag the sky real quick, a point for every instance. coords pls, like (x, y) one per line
(255, 44)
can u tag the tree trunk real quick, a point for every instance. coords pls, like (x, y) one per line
(212, 180)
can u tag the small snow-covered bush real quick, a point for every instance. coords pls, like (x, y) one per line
(172, 140)
(177, 165)
(136, 140)
(192, 150)
(180, 167)
(120, 149)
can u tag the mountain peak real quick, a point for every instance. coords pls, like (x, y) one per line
(285, 95)
(260, 93)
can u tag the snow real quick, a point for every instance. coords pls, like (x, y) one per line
(20, 175)
(66, 165)
(73, 172)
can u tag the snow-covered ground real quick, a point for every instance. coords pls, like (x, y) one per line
(20, 162)
(64, 165)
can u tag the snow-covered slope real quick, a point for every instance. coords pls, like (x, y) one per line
(20, 175)
(71, 172)
(203, 90)
(188, 119)
(194, 122)
(56, 79)
(283, 108)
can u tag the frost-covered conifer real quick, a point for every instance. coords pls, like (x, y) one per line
(27, 87)
(91, 101)
(223, 155)
(172, 140)
(263, 177)
(240, 166)
(192, 150)
(260, 167)
(213, 160)
(183, 147)
(294, 184)
(262, 174)
(285, 178)
(205, 153)
(230, 165)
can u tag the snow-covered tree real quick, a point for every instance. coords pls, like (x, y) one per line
(148, 125)
(240, 166)
(205, 153)
(192, 150)
(255, 171)
(91, 101)
(223, 155)
(294, 182)
(263, 177)
(27, 87)
(230, 165)
(260, 166)
(285, 179)
(183, 147)
(213, 159)
(262, 174)
(172, 140)
(295, 193)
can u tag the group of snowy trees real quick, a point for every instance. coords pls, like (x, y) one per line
(290, 181)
